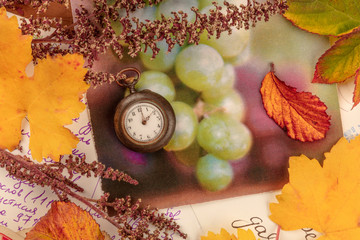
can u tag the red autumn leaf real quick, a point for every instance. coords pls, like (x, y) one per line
(301, 114)
(65, 220)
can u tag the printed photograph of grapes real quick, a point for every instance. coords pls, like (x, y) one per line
(224, 144)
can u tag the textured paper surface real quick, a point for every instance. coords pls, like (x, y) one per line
(22, 204)
(164, 182)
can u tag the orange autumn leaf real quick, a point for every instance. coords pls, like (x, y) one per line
(325, 198)
(301, 114)
(64, 221)
(49, 99)
(225, 235)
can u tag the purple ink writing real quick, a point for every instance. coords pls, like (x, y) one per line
(3, 223)
(38, 198)
(82, 139)
(167, 236)
(36, 220)
(76, 119)
(84, 131)
(23, 133)
(12, 191)
(15, 204)
(77, 153)
(134, 223)
(93, 213)
(256, 223)
(172, 215)
(48, 160)
(22, 217)
(20, 182)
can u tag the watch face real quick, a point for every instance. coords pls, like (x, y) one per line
(144, 122)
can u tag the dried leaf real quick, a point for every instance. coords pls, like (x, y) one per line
(325, 17)
(65, 220)
(49, 99)
(302, 114)
(323, 198)
(224, 235)
(356, 97)
(339, 62)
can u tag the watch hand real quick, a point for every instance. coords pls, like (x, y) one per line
(143, 121)
(148, 117)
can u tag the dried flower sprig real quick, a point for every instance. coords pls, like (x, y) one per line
(92, 34)
(124, 209)
(95, 34)
(131, 5)
(40, 5)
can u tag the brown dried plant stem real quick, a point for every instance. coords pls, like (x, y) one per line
(55, 185)
(51, 175)
(94, 33)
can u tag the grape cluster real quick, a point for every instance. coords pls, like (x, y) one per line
(198, 81)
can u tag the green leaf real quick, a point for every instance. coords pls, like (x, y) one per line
(325, 17)
(339, 62)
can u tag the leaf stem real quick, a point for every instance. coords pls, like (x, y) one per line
(278, 232)
(272, 67)
(56, 186)
(23, 168)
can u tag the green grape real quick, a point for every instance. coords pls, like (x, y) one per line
(143, 14)
(205, 3)
(228, 45)
(167, 6)
(190, 155)
(224, 137)
(199, 67)
(156, 81)
(117, 26)
(222, 87)
(232, 104)
(186, 95)
(239, 59)
(213, 174)
(164, 60)
(186, 127)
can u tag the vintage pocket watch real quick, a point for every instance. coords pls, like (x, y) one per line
(144, 121)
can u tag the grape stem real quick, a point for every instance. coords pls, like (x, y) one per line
(199, 109)
(43, 174)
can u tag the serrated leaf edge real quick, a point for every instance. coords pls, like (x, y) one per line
(295, 90)
(317, 76)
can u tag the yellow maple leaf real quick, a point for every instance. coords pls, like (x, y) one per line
(64, 221)
(225, 235)
(325, 198)
(49, 98)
